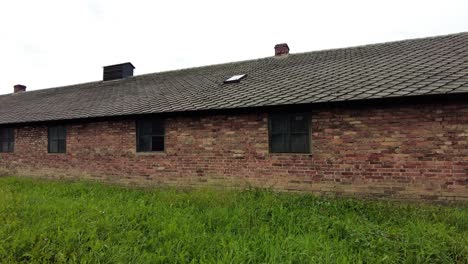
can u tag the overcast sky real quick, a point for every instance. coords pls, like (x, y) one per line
(51, 43)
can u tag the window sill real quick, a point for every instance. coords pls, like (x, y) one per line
(151, 153)
(289, 154)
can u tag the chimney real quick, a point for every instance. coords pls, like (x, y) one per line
(19, 88)
(281, 49)
(118, 71)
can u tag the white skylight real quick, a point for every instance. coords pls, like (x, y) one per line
(235, 78)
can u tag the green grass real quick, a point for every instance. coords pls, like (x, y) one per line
(54, 221)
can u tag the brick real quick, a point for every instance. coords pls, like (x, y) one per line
(401, 151)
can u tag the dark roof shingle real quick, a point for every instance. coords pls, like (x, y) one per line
(435, 65)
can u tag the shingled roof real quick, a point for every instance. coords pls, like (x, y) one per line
(435, 65)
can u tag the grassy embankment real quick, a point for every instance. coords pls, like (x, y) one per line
(53, 221)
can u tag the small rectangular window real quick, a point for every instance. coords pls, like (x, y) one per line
(235, 78)
(150, 135)
(57, 139)
(7, 139)
(289, 133)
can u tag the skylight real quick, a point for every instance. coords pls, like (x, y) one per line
(235, 78)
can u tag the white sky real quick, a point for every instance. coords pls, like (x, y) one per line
(48, 43)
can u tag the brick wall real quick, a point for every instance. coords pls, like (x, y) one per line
(404, 151)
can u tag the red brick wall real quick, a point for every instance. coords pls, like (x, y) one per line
(416, 152)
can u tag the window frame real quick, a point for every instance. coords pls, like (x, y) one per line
(138, 134)
(288, 132)
(58, 139)
(10, 140)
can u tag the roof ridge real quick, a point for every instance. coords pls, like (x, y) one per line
(299, 53)
(382, 43)
(237, 62)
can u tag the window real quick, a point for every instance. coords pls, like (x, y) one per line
(57, 139)
(235, 78)
(150, 135)
(289, 133)
(7, 139)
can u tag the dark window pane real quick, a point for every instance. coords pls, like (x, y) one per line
(7, 139)
(144, 143)
(145, 128)
(3, 146)
(298, 124)
(279, 143)
(158, 127)
(3, 134)
(61, 133)
(279, 124)
(61, 146)
(11, 135)
(299, 143)
(53, 146)
(53, 133)
(157, 143)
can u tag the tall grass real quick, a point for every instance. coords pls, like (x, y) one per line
(52, 221)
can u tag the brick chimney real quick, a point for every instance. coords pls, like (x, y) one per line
(118, 71)
(281, 49)
(19, 88)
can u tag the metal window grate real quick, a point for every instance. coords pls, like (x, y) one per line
(57, 139)
(289, 133)
(150, 135)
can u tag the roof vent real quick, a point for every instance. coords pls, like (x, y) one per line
(118, 71)
(235, 78)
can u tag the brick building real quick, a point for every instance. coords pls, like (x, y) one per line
(386, 119)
